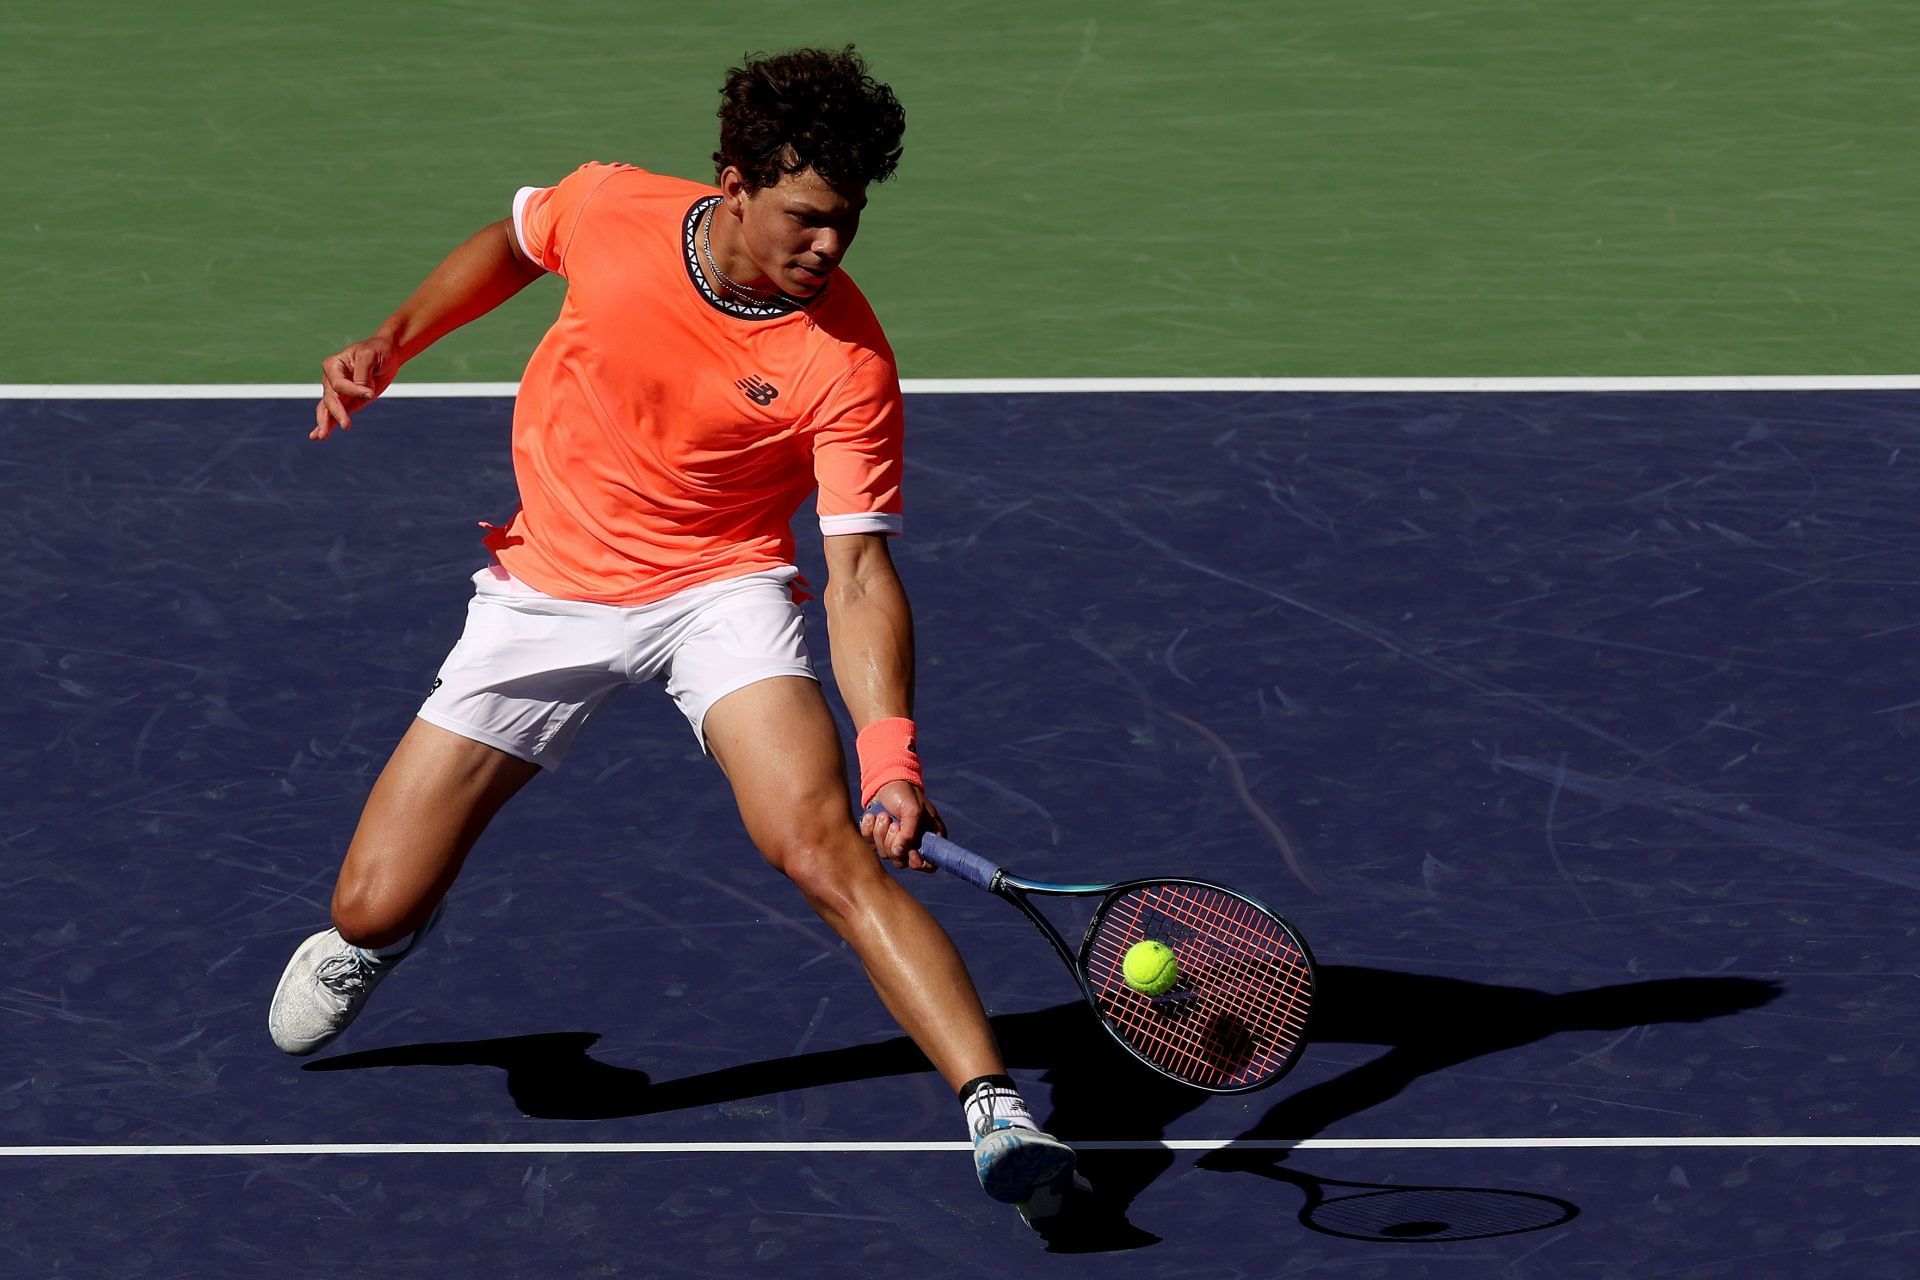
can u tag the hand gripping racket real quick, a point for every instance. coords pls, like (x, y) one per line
(1236, 1018)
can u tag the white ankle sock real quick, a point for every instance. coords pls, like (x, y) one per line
(994, 1102)
(392, 948)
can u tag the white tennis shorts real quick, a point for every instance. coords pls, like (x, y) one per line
(530, 670)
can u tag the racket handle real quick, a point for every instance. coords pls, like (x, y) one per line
(943, 853)
(969, 866)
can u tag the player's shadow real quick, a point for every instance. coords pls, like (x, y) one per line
(1427, 1024)
(551, 1076)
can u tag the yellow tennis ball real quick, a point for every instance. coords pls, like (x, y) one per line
(1150, 968)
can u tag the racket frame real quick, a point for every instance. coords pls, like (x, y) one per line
(1017, 889)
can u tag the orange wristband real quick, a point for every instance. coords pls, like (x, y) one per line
(887, 754)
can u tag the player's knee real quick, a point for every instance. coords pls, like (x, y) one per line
(821, 867)
(368, 918)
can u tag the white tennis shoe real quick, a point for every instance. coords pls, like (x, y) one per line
(1017, 1164)
(325, 986)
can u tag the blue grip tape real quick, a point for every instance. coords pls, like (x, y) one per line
(950, 857)
(965, 863)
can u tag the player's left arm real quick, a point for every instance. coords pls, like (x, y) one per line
(870, 627)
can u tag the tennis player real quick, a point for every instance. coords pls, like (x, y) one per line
(711, 366)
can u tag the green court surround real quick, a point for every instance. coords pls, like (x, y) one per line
(212, 192)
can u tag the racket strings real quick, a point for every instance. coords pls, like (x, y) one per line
(1236, 1016)
(1239, 1009)
(1249, 1013)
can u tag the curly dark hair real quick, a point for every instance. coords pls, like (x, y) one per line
(808, 109)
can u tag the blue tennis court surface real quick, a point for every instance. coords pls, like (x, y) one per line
(1588, 722)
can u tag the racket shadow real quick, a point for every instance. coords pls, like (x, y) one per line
(1384, 1213)
(1431, 1025)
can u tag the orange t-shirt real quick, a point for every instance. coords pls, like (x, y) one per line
(665, 434)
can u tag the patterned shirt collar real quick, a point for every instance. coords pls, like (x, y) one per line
(772, 309)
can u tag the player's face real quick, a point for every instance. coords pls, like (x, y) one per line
(797, 231)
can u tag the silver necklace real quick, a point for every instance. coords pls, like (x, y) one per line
(726, 281)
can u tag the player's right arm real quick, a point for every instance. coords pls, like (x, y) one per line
(482, 273)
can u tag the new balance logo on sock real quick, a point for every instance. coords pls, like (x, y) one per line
(757, 389)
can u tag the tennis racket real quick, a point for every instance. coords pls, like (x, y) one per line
(1236, 1018)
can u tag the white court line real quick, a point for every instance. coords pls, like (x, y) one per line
(765, 1148)
(1020, 386)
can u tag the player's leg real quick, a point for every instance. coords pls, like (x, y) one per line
(435, 796)
(527, 673)
(737, 665)
(777, 743)
(438, 792)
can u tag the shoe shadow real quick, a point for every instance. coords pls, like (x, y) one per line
(1428, 1025)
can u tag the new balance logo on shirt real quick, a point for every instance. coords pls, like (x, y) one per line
(757, 389)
